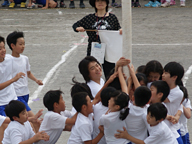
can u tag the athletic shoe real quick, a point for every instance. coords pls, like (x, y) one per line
(81, 5)
(12, 5)
(62, 5)
(166, 4)
(23, 4)
(163, 1)
(137, 4)
(149, 4)
(156, 4)
(182, 4)
(115, 5)
(172, 2)
(5, 3)
(32, 6)
(72, 4)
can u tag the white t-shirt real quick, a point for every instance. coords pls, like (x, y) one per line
(21, 64)
(2, 119)
(112, 123)
(7, 94)
(16, 133)
(53, 124)
(183, 120)
(95, 87)
(82, 130)
(160, 134)
(135, 122)
(175, 97)
(99, 110)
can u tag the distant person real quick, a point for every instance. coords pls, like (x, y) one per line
(72, 4)
(45, 3)
(114, 4)
(135, 3)
(15, 2)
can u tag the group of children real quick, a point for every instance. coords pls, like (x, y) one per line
(151, 107)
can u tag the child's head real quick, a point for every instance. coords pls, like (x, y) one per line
(82, 103)
(156, 113)
(153, 71)
(80, 87)
(140, 69)
(173, 73)
(118, 101)
(142, 79)
(106, 95)
(142, 96)
(184, 90)
(159, 91)
(90, 68)
(2, 48)
(53, 101)
(16, 111)
(16, 42)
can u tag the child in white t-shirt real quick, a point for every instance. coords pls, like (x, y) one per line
(173, 73)
(159, 132)
(16, 43)
(82, 131)
(19, 130)
(55, 120)
(7, 91)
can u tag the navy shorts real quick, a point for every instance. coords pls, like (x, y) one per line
(2, 108)
(24, 99)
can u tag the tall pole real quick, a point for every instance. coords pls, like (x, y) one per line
(127, 29)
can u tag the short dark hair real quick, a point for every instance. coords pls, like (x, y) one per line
(80, 87)
(162, 87)
(175, 69)
(12, 38)
(84, 66)
(78, 100)
(141, 77)
(92, 3)
(153, 66)
(50, 98)
(2, 39)
(14, 108)
(141, 69)
(157, 110)
(106, 95)
(142, 96)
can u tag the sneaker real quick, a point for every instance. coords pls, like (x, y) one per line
(116, 5)
(137, 4)
(182, 4)
(81, 5)
(23, 4)
(12, 5)
(149, 4)
(166, 4)
(32, 6)
(72, 4)
(62, 5)
(5, 3)
(156, 4)
(172, 2)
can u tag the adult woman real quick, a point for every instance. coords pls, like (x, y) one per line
(101, 19)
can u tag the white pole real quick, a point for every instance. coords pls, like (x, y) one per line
(127, 29)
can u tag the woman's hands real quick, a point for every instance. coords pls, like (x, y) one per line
(80, 29)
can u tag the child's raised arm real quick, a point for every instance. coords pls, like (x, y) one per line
(7, 83)
(121, 62)
(71, 121)
(32, 77)
(133, 76)
(122, 80)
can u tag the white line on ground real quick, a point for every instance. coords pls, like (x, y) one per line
(186, 75)
(36, 25)
(52, 71)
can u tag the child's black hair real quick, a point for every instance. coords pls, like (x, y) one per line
(50, 98)
(2, 39)
(106, 95)
(153, 66)
(92, 3)
(80, 87)
(157, 110)
(162, 87)
(78, 100)
(12, 38)
(185, 92)
(141, 77)
(141, 69)
(84, 66)
(142, 96)
(175, 69)
(115, 83)
(14, 108)
(121, 99)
